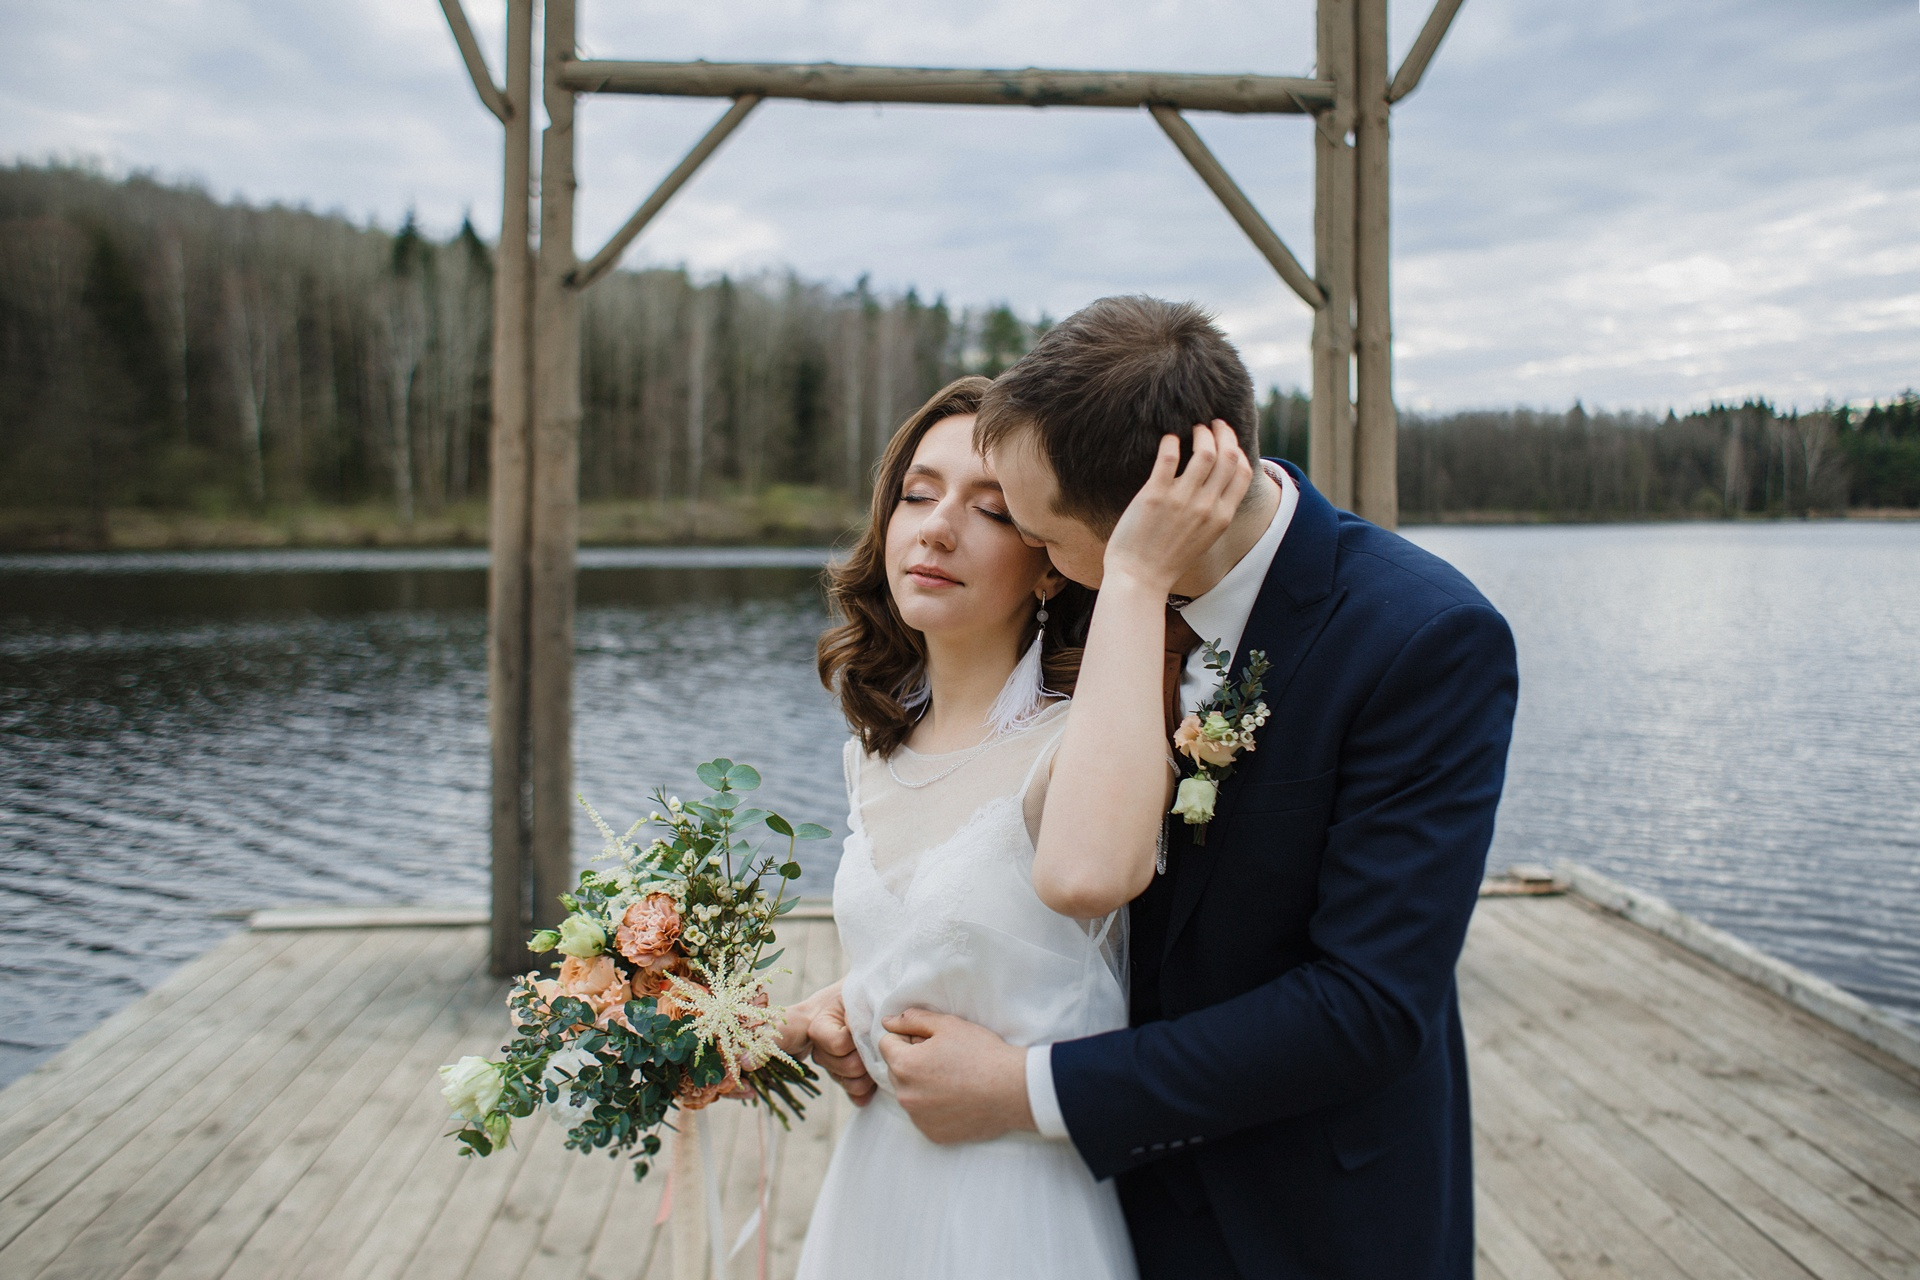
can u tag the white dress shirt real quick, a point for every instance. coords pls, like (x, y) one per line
(1220, 616)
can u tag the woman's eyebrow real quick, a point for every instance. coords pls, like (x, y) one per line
(922, 469)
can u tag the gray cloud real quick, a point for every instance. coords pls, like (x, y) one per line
(1639, 203)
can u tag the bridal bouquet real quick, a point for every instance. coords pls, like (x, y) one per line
(661, 1000)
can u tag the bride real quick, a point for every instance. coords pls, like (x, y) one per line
(958, 647)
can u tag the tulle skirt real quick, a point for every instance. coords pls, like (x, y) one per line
(896, 1206)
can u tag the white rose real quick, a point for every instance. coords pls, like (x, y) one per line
(567, 1110)
(1194, 800)
(472, 1087)
(581, 938)
(567, 1064)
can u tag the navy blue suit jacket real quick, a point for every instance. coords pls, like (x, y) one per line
(1295, 1070)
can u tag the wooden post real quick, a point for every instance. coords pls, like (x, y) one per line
(556, 482)
(508, 530)
(1330, 425)
(1376, 427)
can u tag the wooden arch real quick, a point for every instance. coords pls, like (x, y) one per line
(536, 340)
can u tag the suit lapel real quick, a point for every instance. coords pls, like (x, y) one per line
(1294, 603)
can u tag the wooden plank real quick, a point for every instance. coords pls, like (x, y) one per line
(1817, 996)
(578, 1217)
(1501, 1243)
(241, 1190)
(1829, 1151)
(508, 1236)
(1700, 1203)
(1611, 1057)
(1866, 1105)
(281, 1242)
(100, 1215)
(439, 1234)
(629, 1239)
(1022, 87)
(1735, 1018)
(1510, 1111)
(379, 1217)
(359, 917)
(40, 1170)
(40, 1096)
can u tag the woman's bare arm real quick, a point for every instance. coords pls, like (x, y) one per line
(1111, 783)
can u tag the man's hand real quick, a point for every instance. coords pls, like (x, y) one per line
(832, 1044)
(959, 1082)
(1176, 519)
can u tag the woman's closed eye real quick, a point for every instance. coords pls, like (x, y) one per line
(999, 517)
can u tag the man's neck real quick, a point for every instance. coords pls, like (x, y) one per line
(1249, 524)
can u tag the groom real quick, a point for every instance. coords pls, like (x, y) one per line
(1290, 1098)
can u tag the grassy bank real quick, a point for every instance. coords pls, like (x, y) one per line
(783, 516)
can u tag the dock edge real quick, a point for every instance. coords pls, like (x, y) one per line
(1816, 996)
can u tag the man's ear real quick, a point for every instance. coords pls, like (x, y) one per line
(1052, 581)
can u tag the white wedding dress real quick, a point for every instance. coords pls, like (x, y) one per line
(936, 908)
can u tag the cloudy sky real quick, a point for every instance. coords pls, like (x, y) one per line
(1641, 203)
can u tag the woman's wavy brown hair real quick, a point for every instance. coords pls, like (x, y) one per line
(873, 660)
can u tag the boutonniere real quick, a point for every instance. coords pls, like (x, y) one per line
(1215, 733)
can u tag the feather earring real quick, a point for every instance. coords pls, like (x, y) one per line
(1025, 693)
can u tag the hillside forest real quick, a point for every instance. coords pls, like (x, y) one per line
(163, 351)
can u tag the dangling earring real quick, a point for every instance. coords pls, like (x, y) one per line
(1024, 694)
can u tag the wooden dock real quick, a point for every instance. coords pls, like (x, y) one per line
(272, 1111)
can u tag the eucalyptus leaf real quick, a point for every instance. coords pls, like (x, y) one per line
(791, 871)
(713, 774)
(767, 962)
(811, 831)
(743, 777)
(725, 801)
(747, 817)
(779, 825)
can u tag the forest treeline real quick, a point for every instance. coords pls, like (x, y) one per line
(162, 350)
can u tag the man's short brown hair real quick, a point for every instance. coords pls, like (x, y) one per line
(1104, 385)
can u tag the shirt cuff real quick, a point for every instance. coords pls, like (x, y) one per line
(1041, 1099)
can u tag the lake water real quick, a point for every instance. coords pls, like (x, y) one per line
(1728, 715)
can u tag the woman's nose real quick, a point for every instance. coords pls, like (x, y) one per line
(939, 527)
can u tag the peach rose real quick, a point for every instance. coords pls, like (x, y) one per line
(1192, 741)
(648, 931)
(673, 1001)
(596, 981)
(693, 1098)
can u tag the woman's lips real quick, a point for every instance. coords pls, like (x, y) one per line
(927, 576)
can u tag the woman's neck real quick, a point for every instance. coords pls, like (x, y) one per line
(965, 676)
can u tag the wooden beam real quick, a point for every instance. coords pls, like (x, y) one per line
(500, 104)
(1407, 78)
(1221, 183)
(1025, 87)
(1376, 484)
(555, 514)
(603, 261)
(1330, 423)
(508, 531)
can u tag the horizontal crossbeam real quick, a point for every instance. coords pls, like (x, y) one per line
(1029, 87)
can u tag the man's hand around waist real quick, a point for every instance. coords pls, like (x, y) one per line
(958, 1081)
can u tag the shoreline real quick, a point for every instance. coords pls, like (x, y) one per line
(787, 518)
